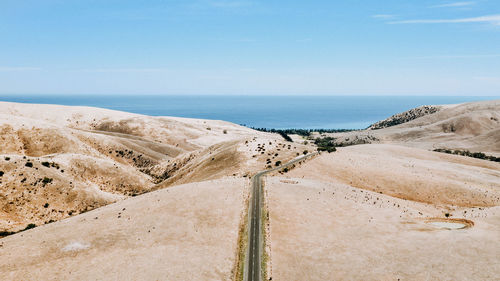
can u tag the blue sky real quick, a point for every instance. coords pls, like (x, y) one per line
(392, 47)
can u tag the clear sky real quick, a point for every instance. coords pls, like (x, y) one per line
(396, 47)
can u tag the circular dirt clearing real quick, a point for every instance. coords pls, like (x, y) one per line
(451, 224)
(448, 225)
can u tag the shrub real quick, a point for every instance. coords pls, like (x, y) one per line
(7, 158)
(328, 149)
(30, 226)
(225, 131)
(46, 205)
(1, 173)
(277, 163)
(28, 164)
(46, 180)
(6, 233)
(478, 155)
(305, 152)
(285, 136)
(46, 164)
(325, 144)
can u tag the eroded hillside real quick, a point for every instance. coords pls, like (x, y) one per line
(58, 161)
(470, 126)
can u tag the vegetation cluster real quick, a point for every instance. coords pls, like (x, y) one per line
(7, 233)
(467, 153)
(302, 132)
(325, 144)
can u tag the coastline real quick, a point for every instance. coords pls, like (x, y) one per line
(272, 112)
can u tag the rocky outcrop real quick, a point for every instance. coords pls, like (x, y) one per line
(406, 116)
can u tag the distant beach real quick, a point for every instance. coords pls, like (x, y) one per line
(278, 112)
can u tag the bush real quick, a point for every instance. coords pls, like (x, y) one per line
(46, 164)
(325, 144)
(30, 226)
(478, 155)
(327, 149)
(1, 173)
(225, 131)
(278, 163)
(7, 158)
(6, 233)
(305, 152)
(46, 180)
(28, 164)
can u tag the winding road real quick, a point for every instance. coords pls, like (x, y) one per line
(253, 261)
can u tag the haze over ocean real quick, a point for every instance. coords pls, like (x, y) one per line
(279, 112)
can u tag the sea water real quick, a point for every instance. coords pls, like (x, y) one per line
(279, 112)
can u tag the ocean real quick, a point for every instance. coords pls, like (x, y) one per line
(278, 112)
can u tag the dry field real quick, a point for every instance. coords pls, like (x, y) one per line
(186, 232)
(123, 196)
(333, 231)
(386, 211)
(59, 161)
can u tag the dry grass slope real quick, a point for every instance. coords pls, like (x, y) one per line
(101, 156)
(104, 156)
(410, 174)
(186, 232)
(469, 126)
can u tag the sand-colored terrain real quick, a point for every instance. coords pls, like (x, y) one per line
(186, 232)
(124, 196)
(331, 231)
(374, 211)
(59, 161)
(469, 126)
(387, 211)
(409, 173)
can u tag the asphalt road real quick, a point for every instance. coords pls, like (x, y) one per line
(255, 247)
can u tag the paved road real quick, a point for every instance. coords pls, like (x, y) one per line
(254, 252)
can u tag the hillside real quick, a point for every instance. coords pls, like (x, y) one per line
(470, 126)
(59, 161)
(405, 117)
(388, 207)
(327, 230)
(187, 232)
(385, 212)
(139, 197)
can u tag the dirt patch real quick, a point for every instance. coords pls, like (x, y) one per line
(450, 224)
(122, 126)
(289, 181)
